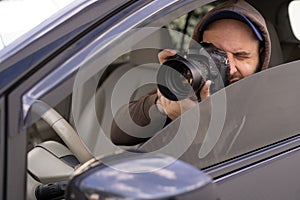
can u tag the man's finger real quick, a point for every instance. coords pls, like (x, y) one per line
(205, 92)
(164, 54)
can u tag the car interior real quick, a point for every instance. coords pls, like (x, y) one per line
(50, 159)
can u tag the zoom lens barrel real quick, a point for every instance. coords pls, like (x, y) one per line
(183, 76)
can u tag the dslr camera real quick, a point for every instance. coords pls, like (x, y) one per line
(183, 76)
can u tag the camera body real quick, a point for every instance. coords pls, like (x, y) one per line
(183, 76)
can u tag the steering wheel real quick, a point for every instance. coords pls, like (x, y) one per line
(64, 130)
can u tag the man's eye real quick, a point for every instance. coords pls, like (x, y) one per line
(242, 56)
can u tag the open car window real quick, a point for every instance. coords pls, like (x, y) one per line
(118, 67)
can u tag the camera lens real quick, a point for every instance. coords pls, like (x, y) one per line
(175, 79)
(182, 77)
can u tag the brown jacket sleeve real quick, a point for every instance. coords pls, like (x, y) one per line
(142, 122)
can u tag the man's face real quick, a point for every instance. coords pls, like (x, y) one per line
(240, 44)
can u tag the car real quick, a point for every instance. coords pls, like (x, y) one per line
(62, 82)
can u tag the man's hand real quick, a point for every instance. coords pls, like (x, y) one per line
(205, 92)
(164, 54)
(173, 109)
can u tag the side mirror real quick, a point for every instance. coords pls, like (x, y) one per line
(139, 176)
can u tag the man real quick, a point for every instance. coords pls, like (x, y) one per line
(234, 27)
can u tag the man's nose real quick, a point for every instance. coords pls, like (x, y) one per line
(232, 63)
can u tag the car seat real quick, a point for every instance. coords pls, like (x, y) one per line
(276, 51)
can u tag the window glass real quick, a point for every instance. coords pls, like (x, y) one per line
(294, 16)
